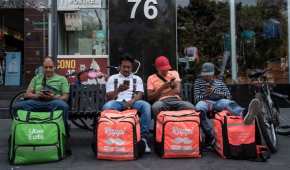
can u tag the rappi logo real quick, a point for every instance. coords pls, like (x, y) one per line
(179, 131)
(114, 132)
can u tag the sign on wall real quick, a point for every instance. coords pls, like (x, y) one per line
(71, 5)
(13, 69)
(67, 64)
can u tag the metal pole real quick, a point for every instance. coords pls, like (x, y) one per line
(54, 21)
(233, 40)
(288, 12)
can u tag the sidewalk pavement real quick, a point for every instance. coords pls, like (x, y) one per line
(83, 159)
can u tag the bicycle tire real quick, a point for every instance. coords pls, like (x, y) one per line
(283, 130)
(17, 97)
(268, 129)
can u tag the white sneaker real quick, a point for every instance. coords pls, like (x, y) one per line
(147, 148)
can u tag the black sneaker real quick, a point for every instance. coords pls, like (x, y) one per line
(208, 144)
(253, 109)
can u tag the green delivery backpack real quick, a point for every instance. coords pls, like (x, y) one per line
(37, 137)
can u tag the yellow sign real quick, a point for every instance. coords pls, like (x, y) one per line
(66, 64)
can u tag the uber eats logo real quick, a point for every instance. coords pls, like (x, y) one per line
(35, 134)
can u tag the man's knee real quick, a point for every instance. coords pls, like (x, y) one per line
(25, 104)
(143, 104)
(186, 105)
(61, 104)
(202, 106)
(224, 101)
(157, 107)
(110, 105)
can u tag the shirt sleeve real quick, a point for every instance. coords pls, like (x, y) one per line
(197, 91)
(139, 85)
(65, 86)
(110, 87)
(223, 90)
(150, 85)
(31, 85)
(176, 76)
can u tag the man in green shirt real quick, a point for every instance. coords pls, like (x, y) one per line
(47, 91)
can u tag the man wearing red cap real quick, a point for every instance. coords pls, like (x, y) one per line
(163, 88)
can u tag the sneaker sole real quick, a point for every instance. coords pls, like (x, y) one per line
(254, 109)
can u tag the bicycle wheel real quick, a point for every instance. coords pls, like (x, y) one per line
(17, 97)
(283, 130)
(267, 126)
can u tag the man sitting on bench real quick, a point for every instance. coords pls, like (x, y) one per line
(164, 88)
(211, 94)
(125, 91)
(47, 91)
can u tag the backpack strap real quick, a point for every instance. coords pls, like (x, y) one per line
(115, 84)
(161, 78)
(43, 83)
(134, 87)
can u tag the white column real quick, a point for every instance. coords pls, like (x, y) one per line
(233, 40)
(49, 29)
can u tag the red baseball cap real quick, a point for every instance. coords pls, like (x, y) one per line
(162, 63)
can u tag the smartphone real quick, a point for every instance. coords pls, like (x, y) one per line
(46, 92)
(172, 80)
(126, 82)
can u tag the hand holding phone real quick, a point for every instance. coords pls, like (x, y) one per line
(125, 86)
(126, 82)
(172, 84)
(46, 92)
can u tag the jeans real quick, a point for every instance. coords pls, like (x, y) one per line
(36, 105)
(170, 105)
(223, 104)
(142, 106)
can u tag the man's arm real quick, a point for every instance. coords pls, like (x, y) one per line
(112, 95)
(30, 92)
(154, 95)
(111, 91)
(197, 91)
(222, 90)
(63, 97)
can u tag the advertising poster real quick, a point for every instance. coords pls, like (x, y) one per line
(13, 69)
(68, 64)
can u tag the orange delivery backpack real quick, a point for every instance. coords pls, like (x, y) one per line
(117, 136)
(235, 140)
(177, 134)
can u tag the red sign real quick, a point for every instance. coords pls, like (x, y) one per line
(68, 64)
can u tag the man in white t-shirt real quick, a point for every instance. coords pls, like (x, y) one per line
(124, 91)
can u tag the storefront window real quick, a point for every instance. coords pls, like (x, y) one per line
(205, 30)
(262, 39)
(83, 32)
(203, 36)
(36, 35)
(82, 36)
(23, 39)
(11, 42)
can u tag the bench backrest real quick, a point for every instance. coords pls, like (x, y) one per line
(187, 92)
(86, 99)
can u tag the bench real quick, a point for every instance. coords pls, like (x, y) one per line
(85, 102)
